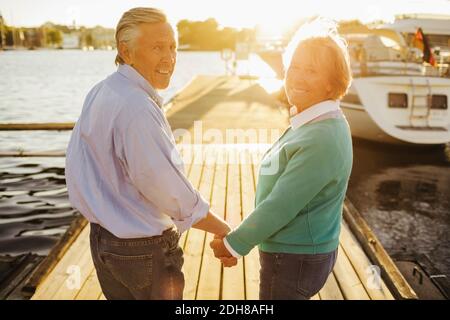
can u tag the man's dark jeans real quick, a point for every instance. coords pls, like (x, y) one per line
(140, 268)
(285, 276)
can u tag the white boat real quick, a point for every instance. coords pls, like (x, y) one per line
(394, 97)
(399, 109)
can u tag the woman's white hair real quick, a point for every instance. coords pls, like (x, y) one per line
(322, 38)
(127, 29)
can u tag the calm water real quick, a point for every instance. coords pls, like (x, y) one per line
(34, 208)
(403, 193)
(50, 86)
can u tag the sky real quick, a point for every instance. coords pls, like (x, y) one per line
(233, 13)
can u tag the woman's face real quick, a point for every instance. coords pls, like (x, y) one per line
(306, 83)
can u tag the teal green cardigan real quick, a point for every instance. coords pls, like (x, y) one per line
(300, 194)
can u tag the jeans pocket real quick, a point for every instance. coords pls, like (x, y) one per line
(312, 275)
(134, 272)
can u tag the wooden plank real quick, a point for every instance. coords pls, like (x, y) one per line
(377, 254)
(362, 266)
(37, 126)
(84, 266)
(211, 269)
(195, 239)
(91, 289)
(331, 290)
(315, 297)
(58, 275)
(205, 190)
(233, 285)
(348, 280)
(251, 261)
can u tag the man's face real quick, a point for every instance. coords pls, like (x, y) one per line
(154, 53)
(306, 83)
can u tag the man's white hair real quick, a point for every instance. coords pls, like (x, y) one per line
(127, 29)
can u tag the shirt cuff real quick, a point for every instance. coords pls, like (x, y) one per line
(239, 245)
(230, 249)
(199, 212)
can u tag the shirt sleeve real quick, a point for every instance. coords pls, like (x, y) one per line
(299, 183)
(156, 169)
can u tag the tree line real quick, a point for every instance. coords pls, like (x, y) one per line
(192, 35)
(209, 35)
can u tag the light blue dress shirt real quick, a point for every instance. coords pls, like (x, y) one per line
(123, 170)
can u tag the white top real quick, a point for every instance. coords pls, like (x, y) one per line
(123, 170)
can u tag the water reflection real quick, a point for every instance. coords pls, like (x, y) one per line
(404, 195)
(34, 207)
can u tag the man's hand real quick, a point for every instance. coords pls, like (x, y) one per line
(221, 252)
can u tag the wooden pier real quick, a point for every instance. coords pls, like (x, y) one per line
(230, 187)
(226, 174)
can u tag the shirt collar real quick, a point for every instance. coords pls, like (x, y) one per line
(130, 73)
(313, 112)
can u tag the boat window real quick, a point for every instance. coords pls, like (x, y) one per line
(397, 100)
(439, 101)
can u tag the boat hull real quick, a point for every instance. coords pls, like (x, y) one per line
(370, 117)
(363, 127)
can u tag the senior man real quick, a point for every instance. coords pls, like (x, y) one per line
(123, 171)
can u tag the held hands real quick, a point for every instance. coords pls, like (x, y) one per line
(221, 252)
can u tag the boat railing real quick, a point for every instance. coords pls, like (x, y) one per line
(391, 67)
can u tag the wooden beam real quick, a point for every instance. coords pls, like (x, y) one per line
(37, 126)
(251, 261)
(211, 268)
(233, 280)
(33, 154)
(377, 254)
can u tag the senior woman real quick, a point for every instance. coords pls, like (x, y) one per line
(303, 177)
